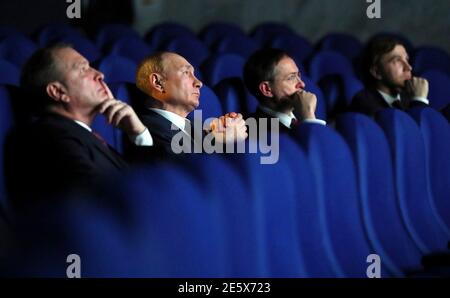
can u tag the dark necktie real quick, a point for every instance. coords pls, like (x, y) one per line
(294, 122)
(397, 104)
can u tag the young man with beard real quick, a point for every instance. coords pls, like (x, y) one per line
(275, 80)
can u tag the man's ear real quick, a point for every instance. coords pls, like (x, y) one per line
(156, 81)
(265, 89)
(57, 92)
(374, 71)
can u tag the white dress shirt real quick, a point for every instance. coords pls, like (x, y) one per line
(173, 118)
(286, 119)
(391, 99)
(142, 139)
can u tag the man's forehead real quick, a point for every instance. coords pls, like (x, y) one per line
(286, 66)
(176, 61)
(396, 51)
(70, 57)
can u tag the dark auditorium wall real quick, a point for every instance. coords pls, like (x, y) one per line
(423, 21)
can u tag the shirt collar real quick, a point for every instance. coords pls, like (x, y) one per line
(285, 119)
(175, 119)
(83, 125)
(389, 98)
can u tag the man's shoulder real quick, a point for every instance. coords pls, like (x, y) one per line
(159, 127)
(367, 94)
(55, 126)
(368, 101)
(258, 114)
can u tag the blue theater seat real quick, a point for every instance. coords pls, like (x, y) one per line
(189, 47)
(313, 246)
(110, 33)
(326, 63)
(234, 96)
(100, 232)
(54, 32)
(236, 44)
(17, 49)
(118, 69)
(215, 31)
(9, 73)
(382, 217)
(352, 85)
(180, 235)
(436, 134)
(412, 184)
(345, 240)
(431, 58)
(131, 47)
(339, 91)
(346, 44)
(265, 32)
(231, 93)
(273, 190)
(298, 47)
(226, 180)
(163, 32)
(221, 66)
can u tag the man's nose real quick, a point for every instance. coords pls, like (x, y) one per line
(197, 82)
(300, 84)
(408, 66)
(98, 75)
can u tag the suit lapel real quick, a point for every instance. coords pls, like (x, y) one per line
(109, 152)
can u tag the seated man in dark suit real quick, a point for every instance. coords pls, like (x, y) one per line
(58, 153)
(173, 92)
(388, 79)
(275, 80)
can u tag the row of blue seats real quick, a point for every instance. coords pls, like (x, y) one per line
(329, 202)
(229, 94)
(324, 65)
(223, 37)
(214, 39)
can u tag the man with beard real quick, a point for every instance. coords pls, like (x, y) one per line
(275, 80)
(388, 78)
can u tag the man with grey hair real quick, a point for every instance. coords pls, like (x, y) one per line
(173, 92)
(59, 153)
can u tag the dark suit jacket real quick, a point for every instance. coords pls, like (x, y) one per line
(370, 101)
(260, 114)
(54, 156)
(162, 134)
(161, 130)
